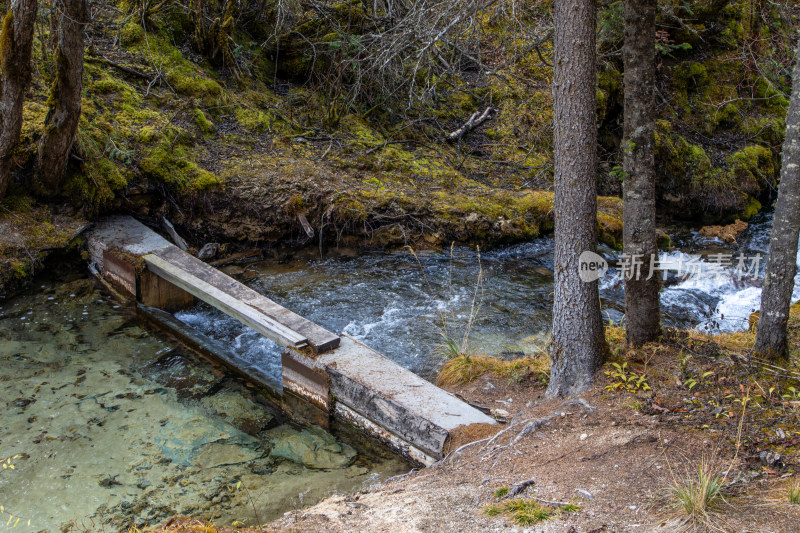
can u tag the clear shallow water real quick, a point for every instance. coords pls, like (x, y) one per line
(117, 427)
(397, 302)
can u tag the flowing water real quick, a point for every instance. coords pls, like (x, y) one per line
(118, 427)
(114, 422)
(402, 303)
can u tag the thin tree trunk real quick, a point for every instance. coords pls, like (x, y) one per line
(16, 42)
(578, 343)
(638, 187)
(776, 294)
(62, 118)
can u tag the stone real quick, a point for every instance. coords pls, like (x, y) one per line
(209, 251)
(501, 414)
(584, 436)
(769, 458)
(313, 448)
(584, 494)
(217, 454)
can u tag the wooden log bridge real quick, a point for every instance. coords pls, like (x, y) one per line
(323, 375)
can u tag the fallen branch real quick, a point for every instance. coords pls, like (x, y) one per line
(236, 257)
(528, 426)
(122, 68)
(517, 489)
(473, 122)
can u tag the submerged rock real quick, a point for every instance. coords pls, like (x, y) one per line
(313, 448)
(216, 454)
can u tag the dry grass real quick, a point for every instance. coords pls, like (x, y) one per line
(793, 491)
(466, 368)
(697, 495)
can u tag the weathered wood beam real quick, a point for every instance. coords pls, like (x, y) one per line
(226, 303)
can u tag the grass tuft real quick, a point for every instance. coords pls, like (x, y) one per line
(696, 496)
(522, 511)
(502, 491)
(793, 492)
(466, 368)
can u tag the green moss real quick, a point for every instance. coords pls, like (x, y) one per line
(773, 98)
(106, 84)
(183, 76)
(6, 43)
(148, 135)
(95, 186)
(663, 241)
(131, 34)
(175, 168)
(202, 122)
(752, 209)
(253, 119)
(754, 165)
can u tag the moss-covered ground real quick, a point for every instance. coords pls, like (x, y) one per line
(235, 149)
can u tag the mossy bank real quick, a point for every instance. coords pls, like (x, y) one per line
(236, 141)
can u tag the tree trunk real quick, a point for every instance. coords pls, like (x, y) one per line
(638, 187)
(578, 343)
(776, 294)
(16, 42)
(62, 118)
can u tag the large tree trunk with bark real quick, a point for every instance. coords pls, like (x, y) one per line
(578, 342)
(62, 118)
(776, 294)
(16, 42)
(638, 187)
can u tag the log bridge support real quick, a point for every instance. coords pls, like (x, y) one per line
(323, 375)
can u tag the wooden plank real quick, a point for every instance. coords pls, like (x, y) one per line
(119, 272)
(320, 339)
(154, 291)
(224, 302)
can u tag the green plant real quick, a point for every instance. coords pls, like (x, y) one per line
(692, 382)
(683, 362)
(522, 511)
(665, 46)
(791, 394)
(696, 495)
(793, 493)
(450, 347)
(502, 491)
(618, 173)
(627, 380)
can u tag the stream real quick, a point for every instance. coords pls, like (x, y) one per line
(118, 426)
(403, 303)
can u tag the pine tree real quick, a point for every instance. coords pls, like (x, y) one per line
(776, 294)
(578, 342)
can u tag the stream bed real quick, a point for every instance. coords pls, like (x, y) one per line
(116, 427)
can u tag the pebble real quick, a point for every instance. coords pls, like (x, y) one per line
(585, 494)
(584, 436)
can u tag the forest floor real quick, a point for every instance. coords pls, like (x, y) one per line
(607, 463)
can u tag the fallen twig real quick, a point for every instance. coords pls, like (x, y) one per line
(473, 122)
